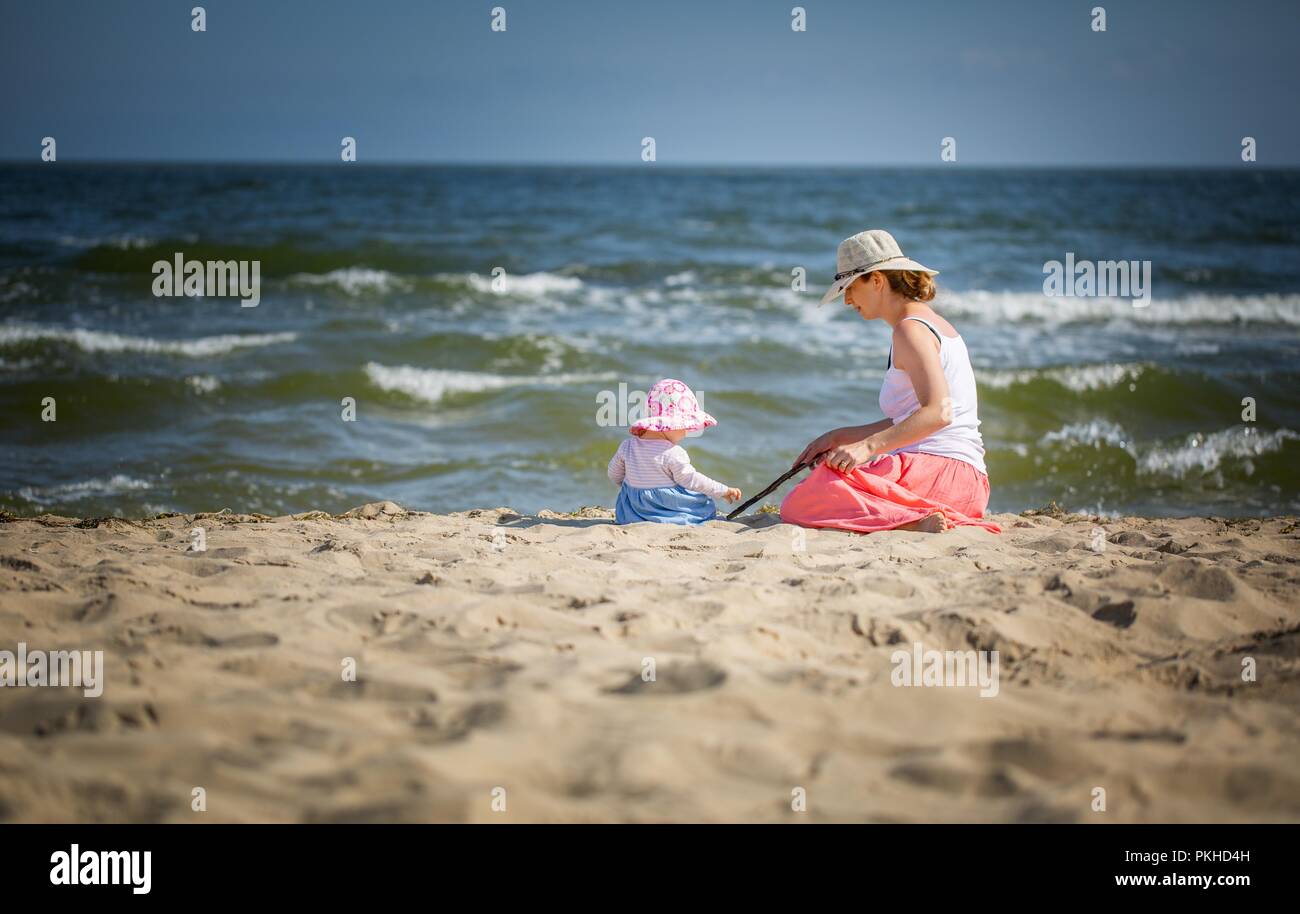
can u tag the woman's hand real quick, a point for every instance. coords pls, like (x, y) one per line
(732, 494)
(816, 447)
(848, 457)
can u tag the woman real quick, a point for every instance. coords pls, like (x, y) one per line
(921, 467)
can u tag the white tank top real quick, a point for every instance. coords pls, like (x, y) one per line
(961, 438)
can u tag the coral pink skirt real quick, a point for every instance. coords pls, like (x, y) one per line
(896, 489)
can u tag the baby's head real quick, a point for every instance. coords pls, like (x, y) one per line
(672, 410)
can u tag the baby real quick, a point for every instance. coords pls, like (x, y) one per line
(654, 473)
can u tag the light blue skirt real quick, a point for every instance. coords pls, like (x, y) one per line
(664, 505)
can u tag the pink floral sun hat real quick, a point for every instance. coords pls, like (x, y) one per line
(671, 406)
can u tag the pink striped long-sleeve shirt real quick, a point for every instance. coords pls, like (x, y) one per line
(652, 463)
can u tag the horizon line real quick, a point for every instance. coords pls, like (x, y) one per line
(467, 163)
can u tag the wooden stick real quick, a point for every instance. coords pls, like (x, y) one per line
(770, 489)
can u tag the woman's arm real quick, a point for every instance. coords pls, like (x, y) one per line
(858, 432)
(837, 437)
(916, 353)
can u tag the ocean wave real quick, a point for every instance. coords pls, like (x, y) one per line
(1207, 452)
(1094, 433)
(279, 259)
(1197, 452)
(203, 383)
(104, 341)
(747, 291)
(433, 384)
(692, 273)
(551, 349)
(355, 280)
(120, 242)
(16, 290)
(995, 307)
(1078, 378)
(115, 485)
(525, 283)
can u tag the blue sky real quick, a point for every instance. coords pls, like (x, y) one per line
(1171, 82)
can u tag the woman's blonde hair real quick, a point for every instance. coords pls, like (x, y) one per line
(911, 284)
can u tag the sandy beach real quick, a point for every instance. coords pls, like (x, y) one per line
(501, 661)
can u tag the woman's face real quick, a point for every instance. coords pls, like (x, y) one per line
(863, 295)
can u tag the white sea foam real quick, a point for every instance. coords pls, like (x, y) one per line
(1000, 379)
(1197, 452)
(553, 350)
(1094, 434)
(998, 307)
(355, 280)
(104, 341)
(982, 306)
(1205, 453)
(15, 290)
(432, 384)
(203, 383)
(122, 242)
(526, 283)
(1079, 378)
(115, 485)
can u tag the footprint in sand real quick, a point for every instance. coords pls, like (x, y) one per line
(97, 609)
(249, 639)
(181, 633)
(1072, 589)
(65, 715)
(432, 726)
(1120, 615)
(16, 564)
(674, 679)
(994, 782)
(1189, 579)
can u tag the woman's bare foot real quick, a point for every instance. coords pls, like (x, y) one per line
(935, 523)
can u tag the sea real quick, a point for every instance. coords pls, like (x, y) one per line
(456, 337)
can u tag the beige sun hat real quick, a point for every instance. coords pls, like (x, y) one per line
(867, 252)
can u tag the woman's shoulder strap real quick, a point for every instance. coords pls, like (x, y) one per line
(933, 329)
(889, 360)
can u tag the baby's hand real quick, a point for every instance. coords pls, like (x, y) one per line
(732, 495)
